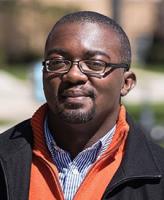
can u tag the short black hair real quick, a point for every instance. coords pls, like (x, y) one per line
(94, 17)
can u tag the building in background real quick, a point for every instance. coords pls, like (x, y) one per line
(24, 27)
(26, 23)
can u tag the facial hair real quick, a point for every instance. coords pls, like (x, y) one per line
(75, 113)
(77, 116)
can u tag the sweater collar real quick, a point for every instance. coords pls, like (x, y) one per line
(140, 159)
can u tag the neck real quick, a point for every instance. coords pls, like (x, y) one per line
(74, 138)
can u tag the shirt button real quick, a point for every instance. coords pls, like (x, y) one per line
(75, 171)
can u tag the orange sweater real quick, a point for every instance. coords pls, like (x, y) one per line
(44, 183)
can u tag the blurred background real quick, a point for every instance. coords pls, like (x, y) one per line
(24, 25)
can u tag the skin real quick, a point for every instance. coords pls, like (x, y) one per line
(82, 108)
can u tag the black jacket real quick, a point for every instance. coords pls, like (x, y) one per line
(139, 177)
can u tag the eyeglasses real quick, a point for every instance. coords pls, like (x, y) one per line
(96, 68)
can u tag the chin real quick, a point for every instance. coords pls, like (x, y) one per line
(77, 116)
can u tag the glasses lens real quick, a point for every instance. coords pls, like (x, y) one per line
(93, 66)
(58, 65)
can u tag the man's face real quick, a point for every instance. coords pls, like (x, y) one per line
(74, 96)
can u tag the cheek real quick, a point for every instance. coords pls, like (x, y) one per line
(50, 89)
(108, 93)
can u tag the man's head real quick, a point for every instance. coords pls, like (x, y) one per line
(94, 17)
(78, 44)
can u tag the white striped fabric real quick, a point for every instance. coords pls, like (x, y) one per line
(73, 172)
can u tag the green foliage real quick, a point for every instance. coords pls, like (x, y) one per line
(151, 67)
(19, 71)
(24, 22)
(157, 109)
(4, 122)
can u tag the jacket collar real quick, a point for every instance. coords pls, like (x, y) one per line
(14, 139)
(15, 160)
(140, 160)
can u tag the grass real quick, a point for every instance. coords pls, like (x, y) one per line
(18, 71)
(156, 108)
(151, 67)
(21, 72)
(4, 122)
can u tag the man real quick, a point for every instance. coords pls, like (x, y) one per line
(82, 144)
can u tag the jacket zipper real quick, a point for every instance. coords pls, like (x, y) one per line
(6, 182)
(103, 157)
(57, 181)
(124, 180)
(56, 178)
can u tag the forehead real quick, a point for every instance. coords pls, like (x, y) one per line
(85, 36)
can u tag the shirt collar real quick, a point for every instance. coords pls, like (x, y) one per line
(101, 144)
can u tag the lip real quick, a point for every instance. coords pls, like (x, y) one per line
(79, 99)
(74, 94)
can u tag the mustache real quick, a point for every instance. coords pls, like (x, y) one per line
(66, 89)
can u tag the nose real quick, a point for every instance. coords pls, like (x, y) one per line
(74, 75)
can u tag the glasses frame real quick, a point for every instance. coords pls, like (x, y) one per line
(105, 72)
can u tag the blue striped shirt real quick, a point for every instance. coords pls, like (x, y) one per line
(73, 172)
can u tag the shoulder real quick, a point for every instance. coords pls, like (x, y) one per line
(18, 129)
(15, 138)
(140, 138)
(158, 153)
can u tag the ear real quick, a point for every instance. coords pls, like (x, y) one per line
(128, 83)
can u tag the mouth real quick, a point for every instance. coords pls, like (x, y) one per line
(74, 95)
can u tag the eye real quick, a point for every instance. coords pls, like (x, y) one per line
(95, 65)
(57, 64)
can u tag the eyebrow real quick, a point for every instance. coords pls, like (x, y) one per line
(88, 54)
(58, 51)
(92, 53)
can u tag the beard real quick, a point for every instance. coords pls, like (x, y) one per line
(70, 111)
(74, 113)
